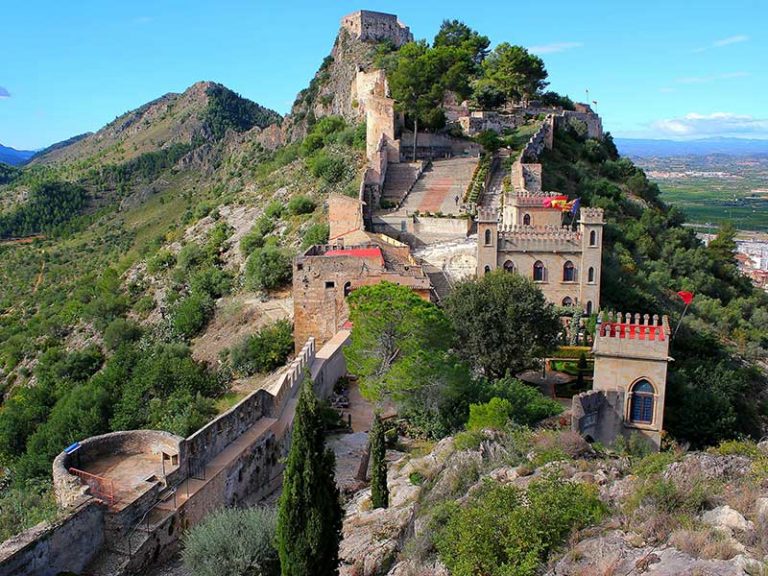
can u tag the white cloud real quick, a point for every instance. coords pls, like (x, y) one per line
(716, 124)
(738, 38)
(4, 93)
(730, 40)
(555, 47)
(713, 78)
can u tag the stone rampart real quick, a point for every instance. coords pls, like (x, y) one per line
(205, 444)
(69, 488)
(67, 544)
(240, 458)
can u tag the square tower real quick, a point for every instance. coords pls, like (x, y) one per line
(487, 240)
(591, 228)
(629, 389)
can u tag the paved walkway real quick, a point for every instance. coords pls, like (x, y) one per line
(440, 185)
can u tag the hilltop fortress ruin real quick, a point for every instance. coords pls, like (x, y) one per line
(426, 224)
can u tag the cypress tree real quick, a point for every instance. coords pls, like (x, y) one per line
(379, 489)
(309, 516)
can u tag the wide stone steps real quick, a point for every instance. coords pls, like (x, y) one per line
(399, 180)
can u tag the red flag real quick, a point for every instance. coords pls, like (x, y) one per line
(686, 296)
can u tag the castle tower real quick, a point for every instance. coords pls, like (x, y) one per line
(628, 395)
(591, 228)
(487, 240)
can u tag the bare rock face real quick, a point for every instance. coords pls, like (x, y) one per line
(726, 517)
(612, 553)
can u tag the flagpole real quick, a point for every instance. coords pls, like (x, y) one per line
(679, 322)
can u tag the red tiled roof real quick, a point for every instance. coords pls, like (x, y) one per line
(366, 253)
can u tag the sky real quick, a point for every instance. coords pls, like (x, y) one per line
(657, 69)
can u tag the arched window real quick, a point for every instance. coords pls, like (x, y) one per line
(589, 307)
(567, 301)
(641, 404)
(509, 266)
(591, 275)
(347, 289)
(487, 269)
(527, 220)
(538, 271)
(593, 238)
(569, 272)
(488, 237)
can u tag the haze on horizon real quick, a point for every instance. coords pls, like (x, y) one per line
(666, 71)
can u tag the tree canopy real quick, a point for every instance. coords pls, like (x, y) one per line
(396, 337)
(502, 323)
(309, 515)
(517, 73)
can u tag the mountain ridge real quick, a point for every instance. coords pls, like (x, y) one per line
(14, 157)
(640, 147)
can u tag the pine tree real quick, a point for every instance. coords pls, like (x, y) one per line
(379, 490)
(310, 515)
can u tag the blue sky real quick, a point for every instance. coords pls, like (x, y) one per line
(673, 68)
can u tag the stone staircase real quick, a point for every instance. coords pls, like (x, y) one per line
(399, 180)
(440, 283)
(492, 196)
(439, 185)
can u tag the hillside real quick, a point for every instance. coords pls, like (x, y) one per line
(202, 113)
(145, 284)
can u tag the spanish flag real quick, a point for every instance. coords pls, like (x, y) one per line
(556, 201)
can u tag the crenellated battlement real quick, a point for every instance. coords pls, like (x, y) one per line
(529, 199)
(591, 215)
(487, 215)
(540, 234)
(631, 327)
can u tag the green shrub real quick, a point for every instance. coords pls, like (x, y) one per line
(256, 237)
(468, 440)
(494, 414)
(233, 542)
(121, 331)
(264, 351)
(162, 260)
(330, 167)
(528, 405)
(746, 448)
(315, 234)
(301, 205)
(503, 530)
(25, 505)
(191, 315)
(274, 209)
(211, 281)
(190, 256)
(267, 268)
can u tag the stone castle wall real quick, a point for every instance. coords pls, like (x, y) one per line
(67, 544)
(376, 26)
(244, 469)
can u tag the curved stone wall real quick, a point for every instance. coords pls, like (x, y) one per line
(69, 489)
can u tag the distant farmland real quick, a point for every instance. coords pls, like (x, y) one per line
(713, 189)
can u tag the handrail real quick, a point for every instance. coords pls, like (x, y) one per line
(101, 487)
(159, 501)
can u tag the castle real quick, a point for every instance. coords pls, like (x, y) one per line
(134, 512)
(376, 26)
(629, 389)
(528, 236)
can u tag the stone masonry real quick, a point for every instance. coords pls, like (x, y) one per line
(628, 396)
(376, 27)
